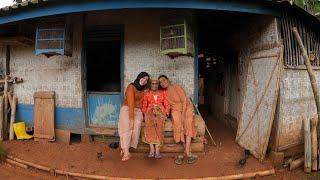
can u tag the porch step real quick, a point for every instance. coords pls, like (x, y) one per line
(170, 140)
(199, 122)
(171, 148)
(102, 131)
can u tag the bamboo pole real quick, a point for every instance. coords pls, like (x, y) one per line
(307, 146)
(30, 164)
(314, 123)
(309, 69)
(89, 176)
(16, 163)
(5, 110)
(12, 117)
(1, 119)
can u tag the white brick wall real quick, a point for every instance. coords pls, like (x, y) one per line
(57, 73)
(296, 101)
(63, 74)
(142, 47)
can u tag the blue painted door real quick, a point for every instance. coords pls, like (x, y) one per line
(103, 109)
(104, 75)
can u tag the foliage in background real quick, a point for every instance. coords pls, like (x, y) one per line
(312, 6)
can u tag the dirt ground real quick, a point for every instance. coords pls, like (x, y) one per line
(82, 158)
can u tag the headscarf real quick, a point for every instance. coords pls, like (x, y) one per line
(136, 83)
(154, 79)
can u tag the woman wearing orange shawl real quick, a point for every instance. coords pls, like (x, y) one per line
(182, 112)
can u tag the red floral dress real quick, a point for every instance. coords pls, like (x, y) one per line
(156, 107)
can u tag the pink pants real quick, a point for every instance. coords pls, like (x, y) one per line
(129, 138)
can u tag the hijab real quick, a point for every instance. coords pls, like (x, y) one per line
(136, 83)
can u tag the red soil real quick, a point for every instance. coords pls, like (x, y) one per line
(82, 158)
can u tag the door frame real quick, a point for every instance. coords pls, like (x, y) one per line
(84, 69)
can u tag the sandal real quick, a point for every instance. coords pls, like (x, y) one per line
(125, 158)
(192, 159)
(179, 159)
(151, 155)
(157, 156)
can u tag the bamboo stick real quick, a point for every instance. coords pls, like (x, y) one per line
(88, 176)
(245, 175)
(1, 119)
(16, 163)
(12, 118)
(29, 163)
(314, 122)
(9, 99)
(5, 110)
(307, 146)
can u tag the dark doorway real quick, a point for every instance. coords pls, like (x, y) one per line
(104, 75)
(103, 66)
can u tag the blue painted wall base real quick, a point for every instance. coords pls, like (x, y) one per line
(65, 118)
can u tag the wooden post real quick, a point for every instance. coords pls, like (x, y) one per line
(307, 146)
(5, 110)
(314, 123)
(296, 163)
(1, 118)
(12, 118)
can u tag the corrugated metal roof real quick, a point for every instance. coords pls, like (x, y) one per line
(22, 5)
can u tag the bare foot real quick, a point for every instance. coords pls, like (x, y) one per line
(125, 157)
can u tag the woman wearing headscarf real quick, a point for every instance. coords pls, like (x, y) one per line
(130, 117)
(156, 108)
(183, 121)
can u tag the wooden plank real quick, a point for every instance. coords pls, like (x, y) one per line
(101, 131)
(43, 136)
(86, 138)
(171, 148)
(12, 117)
(44, 95)
(5, 110)
(1, 118)
(314, 122)
(296, 163)
(44, 115)
(259, 102)
(63, 136)
(16, 41)
(170, 140)
(10, 99)
(307, 146)
(199, 122)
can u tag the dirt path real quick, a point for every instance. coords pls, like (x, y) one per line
(82, 158)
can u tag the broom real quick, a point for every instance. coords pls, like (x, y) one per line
(3, 153)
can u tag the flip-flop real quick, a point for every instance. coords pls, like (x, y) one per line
(157, 156)
(192, 159)
(179, 159)
(150, 155)
(125, 158)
